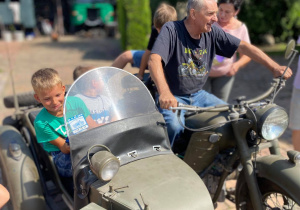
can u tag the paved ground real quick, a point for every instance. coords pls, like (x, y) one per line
(70, 51)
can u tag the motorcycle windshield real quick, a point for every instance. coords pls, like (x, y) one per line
(104, 95)
(112, 107)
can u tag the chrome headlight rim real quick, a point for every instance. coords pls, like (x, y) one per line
(109, 168)
(262, 120)
(103, 163)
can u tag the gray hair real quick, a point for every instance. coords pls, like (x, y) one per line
(194, 4)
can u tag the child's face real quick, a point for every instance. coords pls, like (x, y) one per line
(52, 99)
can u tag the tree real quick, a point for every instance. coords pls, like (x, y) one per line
(134, 20)
(278, 18)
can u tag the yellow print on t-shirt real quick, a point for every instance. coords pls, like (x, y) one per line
(195, 66)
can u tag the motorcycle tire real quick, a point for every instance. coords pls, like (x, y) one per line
(273, 196)
(24, 100)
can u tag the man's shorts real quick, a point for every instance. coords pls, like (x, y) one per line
(137, 57)
(294, 115)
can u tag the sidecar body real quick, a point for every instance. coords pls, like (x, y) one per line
(149, 174)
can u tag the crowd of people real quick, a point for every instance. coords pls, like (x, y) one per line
(192, 61)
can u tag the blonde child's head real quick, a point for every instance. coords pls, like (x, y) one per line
(164, 13)
(49, 90)
(45, 79)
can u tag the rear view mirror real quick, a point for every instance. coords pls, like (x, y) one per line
(290, 47)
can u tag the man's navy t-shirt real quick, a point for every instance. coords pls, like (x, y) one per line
(187, 61)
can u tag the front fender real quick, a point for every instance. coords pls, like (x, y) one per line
(282, 172)
(20, 175)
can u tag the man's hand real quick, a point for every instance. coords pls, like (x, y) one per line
(259, 56)
(278, 71)
(167, 100)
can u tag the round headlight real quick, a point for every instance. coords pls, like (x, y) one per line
(273, 123)
(110, 169)
(104, 165)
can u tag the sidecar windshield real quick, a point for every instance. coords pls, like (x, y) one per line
(102, 96)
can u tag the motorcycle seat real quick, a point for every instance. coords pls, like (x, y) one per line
(32, 115)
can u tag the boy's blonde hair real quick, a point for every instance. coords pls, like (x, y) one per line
(45, 79)
(164, 13)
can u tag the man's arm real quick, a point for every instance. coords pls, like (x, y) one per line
(143, 65)
(166, 98)
(259, 56)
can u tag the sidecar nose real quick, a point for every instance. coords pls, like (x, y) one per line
(164, 181)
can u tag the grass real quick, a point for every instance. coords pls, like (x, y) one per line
(276, 49)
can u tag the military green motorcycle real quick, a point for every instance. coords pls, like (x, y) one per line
(226, 139)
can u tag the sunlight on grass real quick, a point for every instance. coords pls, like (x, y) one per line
(276, 49)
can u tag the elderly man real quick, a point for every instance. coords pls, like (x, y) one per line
(182, 57)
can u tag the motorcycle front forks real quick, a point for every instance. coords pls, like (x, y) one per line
(240, 129)
(244, 152)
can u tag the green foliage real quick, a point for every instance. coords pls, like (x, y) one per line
(291, 23)
(134, 20)
(279, 18)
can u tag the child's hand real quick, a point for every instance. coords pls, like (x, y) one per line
(61, 144)
(65, 148)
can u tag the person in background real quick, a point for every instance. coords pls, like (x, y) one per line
(182, 56)
(79, 70)
(91, 92)
(294, 123)
(223, 70)
(139, 58)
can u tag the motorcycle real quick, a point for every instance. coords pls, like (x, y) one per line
(226, 139)
(127, 162)
(123, 163)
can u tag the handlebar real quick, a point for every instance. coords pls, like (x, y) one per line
(217, 108)
(276, 85)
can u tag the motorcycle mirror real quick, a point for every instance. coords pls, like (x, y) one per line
(290, 49)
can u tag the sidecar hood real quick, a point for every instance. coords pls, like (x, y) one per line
(141, 134)
(164, 181)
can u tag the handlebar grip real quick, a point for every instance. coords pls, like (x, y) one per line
(185, 105)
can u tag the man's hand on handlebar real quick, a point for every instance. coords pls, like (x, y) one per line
(278, 71)
(167, 100)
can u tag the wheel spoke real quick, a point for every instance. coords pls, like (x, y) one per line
(279, 201)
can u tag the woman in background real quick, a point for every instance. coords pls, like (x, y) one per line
(221, 76)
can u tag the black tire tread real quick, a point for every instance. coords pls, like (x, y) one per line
(24, 100)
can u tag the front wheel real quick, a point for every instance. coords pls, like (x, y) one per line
(273, 196)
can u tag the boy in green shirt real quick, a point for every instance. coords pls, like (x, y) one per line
(49, 123)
